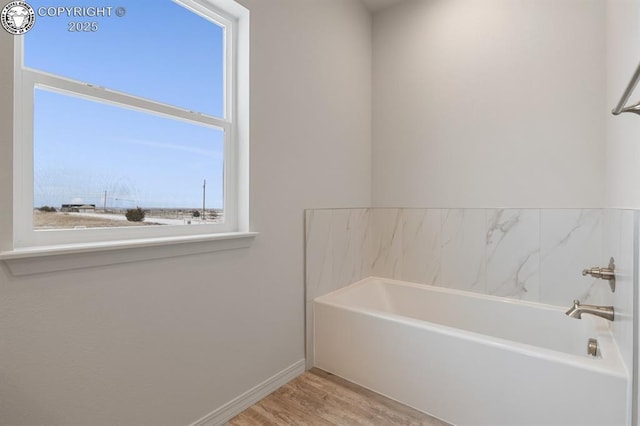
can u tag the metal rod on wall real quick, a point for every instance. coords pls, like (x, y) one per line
(620, 108)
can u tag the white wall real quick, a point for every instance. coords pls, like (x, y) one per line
(623, 131)
(489, 104)
(168, 341)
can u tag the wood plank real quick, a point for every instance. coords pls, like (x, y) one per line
(322, 399)
(392, 411)
(330, 407)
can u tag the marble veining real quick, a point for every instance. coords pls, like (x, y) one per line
(318, 252)
(350, 245)
(586, 221)
(532, 254)
(499, 223)
(387, 243)
(571, 240)
(463, 249)
(421, 254)
(513, 248)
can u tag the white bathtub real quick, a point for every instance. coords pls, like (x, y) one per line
(470, 359)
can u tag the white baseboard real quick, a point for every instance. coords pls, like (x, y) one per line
(247, 399)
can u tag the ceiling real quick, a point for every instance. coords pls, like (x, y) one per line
(374, 5)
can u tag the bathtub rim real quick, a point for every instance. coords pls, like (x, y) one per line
(610, 364)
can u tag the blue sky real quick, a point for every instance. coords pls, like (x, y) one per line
(83, 148)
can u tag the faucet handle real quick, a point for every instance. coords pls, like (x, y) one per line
(598, 272)
(603, 273)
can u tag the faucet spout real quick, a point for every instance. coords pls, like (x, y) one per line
(577, 310)
(574, 311)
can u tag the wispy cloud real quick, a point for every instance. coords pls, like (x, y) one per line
(176, 147)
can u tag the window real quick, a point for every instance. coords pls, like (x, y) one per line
(129, 110)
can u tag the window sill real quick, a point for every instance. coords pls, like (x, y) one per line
(39, 260)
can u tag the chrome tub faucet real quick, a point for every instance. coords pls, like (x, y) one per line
(577, 310)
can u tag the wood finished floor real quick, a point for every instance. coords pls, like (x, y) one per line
(320, 398)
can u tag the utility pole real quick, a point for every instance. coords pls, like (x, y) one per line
(204, 192)
(105, 200)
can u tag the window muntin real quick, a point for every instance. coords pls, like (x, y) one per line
(235, 161)
(162, 52)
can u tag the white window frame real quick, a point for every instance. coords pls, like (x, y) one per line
(234, 20)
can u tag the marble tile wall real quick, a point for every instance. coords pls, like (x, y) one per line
(621, 234)
(338, 252)
(529, 254)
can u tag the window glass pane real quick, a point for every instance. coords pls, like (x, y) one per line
(94, 161)
(157, 50)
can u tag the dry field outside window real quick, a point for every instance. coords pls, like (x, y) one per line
(63, 220)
